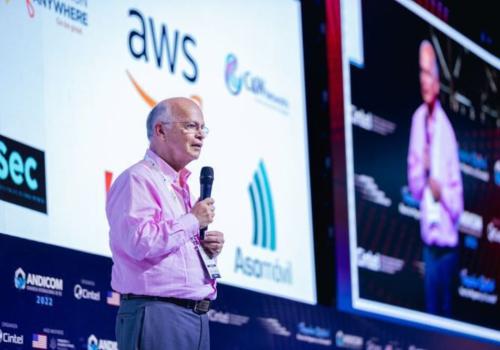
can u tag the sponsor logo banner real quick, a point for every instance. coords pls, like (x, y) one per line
(38, 283)
(9, 337)
(93, 343)
(83, 293)
(236, 82)
(22, 175)
(264, 235)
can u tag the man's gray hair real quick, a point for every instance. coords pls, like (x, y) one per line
(160, 113)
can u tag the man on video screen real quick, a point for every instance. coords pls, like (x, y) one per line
(434, 179)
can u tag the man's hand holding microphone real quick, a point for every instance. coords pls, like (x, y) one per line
(213, 241)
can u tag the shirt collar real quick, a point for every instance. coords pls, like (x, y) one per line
(166, 169)
(436, 112)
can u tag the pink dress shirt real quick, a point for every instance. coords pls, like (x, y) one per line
(153, 237)
(438, 220)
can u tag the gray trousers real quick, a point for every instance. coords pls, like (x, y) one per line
(143, 324)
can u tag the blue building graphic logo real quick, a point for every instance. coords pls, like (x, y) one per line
(264, 223)
(20, 279)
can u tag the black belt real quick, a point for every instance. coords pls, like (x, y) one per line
(438, 251)
(199, 306)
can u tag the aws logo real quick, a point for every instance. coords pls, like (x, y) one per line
(166, 46)
(170, 48)
(264, 223)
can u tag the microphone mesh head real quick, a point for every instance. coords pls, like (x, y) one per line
(207, 175)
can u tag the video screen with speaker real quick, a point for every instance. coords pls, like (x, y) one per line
(78, 80)
(423, 169)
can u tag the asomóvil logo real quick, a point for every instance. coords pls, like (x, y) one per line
(264, 223)
(236, 82)
(20, 279)
(267, 263)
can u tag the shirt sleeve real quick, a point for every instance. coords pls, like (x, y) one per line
(452, 190)
(416, 171)
(139, 225)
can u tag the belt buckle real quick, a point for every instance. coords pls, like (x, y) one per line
(201, 307)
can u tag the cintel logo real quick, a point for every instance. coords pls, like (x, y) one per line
(264, 225)
(256, 85)
(8, 338)
(20, 279)
(82, 293)
(101, 344)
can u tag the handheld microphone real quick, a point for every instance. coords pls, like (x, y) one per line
(206, 181)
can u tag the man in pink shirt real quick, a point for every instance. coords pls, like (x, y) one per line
(154, 237)
(434, 179)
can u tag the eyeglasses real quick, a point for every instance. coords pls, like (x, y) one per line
(191, 127)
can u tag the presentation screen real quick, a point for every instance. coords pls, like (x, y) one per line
(423, 169)
(78, 80)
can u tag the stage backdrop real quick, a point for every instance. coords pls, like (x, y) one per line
(78, 79)
(59, 299)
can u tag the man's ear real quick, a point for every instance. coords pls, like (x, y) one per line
(159, 131)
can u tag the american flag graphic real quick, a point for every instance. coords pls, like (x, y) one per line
(113, 298)
(39, 341)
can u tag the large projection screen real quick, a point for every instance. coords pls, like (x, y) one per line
(78, 79)
(382, 91)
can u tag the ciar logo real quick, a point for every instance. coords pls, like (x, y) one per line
(234, 82)
(20, 279)
(264, 223)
